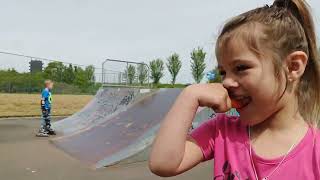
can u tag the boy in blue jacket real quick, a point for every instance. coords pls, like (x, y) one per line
(46, 101)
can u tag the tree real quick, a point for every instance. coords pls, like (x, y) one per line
(55, 71)
(8, 80)
(142, 73)
(89, 71)
(131, 71)
(84, 78)
(197, 64)
(69, 75)
(156, 70)
(174, 66)
(80, 77)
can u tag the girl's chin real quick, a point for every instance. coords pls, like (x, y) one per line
(244, 121)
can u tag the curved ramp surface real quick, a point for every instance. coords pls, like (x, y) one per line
(140, 150)
(106, 101)
(123, 134)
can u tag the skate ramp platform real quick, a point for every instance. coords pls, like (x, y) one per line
(125, 136)
(107, 101)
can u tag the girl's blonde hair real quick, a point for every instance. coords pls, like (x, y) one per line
(278, 30)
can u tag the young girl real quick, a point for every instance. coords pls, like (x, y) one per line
(270, 67)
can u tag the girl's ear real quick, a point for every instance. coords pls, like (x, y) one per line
(296, 63)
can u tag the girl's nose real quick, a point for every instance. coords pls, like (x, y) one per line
(229, 83)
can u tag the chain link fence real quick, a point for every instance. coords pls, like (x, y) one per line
(125, 73)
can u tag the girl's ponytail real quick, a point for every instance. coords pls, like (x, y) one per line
(309, 87)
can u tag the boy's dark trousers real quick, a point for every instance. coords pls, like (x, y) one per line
(46, 119)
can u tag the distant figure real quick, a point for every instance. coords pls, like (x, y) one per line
(46, 101)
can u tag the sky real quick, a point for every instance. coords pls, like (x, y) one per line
(87, 32)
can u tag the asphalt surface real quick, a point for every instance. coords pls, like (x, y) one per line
(26, 157)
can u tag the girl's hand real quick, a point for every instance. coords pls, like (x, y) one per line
(212, 95)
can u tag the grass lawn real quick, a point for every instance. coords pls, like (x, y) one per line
(12, 105)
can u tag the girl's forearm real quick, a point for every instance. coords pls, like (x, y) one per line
(169, 145)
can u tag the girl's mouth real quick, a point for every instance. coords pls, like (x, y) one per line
(240, 102)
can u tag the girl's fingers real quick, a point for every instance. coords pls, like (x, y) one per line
(223, 106)
(229, 103)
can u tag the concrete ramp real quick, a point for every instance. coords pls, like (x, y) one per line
(107, 101)
(122, 134)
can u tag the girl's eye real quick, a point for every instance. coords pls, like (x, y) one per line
(222, 73)
(241, 67)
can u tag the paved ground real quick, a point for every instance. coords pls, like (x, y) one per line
(25, 157)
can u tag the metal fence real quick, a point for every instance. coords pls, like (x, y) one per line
(115, 72)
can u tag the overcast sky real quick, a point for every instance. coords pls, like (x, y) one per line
(87, 32)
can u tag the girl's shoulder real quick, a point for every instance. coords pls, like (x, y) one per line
(218, 130)
(223, 120)
(315, 134)
(225, 124)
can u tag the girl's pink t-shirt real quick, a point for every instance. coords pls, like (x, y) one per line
(226, 140)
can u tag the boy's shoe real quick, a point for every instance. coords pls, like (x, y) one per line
(42, 133)
(51, 131)
(39, 134)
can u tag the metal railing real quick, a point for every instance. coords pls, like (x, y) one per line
(103, 72)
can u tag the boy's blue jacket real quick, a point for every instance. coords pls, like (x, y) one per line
(46, 99)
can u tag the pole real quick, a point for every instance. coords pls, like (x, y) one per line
(127, 74)
(102, 78)
(148, 74)
(103, 73)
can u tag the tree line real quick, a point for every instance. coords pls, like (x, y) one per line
(75, 79)
(173, 65)
(67, 78)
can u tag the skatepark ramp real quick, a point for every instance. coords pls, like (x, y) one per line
(107, 101)
(123, 136)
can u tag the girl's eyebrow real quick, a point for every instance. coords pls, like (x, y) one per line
(236, 61)
(239, 61)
